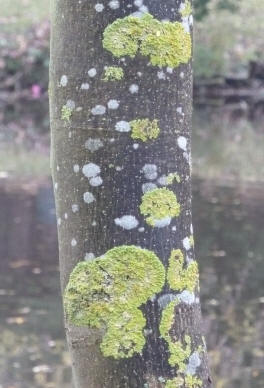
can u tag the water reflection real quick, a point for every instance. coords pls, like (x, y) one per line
(228, 226)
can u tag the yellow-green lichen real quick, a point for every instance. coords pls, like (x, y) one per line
(180, 279)
(66, 113)
(193, 382)
(177, 382)
(106, 293)
(188, 382)
(179, 351)
(144, 129)
(113, 73)
(173, 176)
(159, 204)
(186, 9)
(165, 43)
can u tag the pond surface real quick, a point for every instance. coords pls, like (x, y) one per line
(228, 224)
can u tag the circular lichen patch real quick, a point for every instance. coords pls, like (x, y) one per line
(107, 292)
(144, 129)
(159, 204)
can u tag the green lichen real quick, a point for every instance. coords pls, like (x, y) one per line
(177, 382)
(173, 176)
(159, 204)
(193, 382)
(179, 351)
(144, 129)
(188, 382)
(106, 293)
(180, 279)
(66, 113)
(165, 43)
(187, 9)
(113, 73)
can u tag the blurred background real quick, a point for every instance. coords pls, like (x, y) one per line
(228, 194)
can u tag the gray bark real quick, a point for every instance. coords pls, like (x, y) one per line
(88, 230)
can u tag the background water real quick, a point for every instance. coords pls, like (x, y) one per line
(228, 226)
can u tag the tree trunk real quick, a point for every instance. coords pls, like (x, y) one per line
(120, 104)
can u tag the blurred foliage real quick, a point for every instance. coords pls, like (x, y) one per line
(19, 15)
(227, 39)
(227, 147)
(202, 7)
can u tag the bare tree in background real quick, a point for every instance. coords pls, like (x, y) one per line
(121, 104)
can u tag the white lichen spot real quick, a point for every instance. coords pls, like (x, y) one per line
(122, 126)
(127, 222)
(91, 170)
(73, 242)
(182, 143)
(161, 75)
(89, 256)
(163, 180)
(94, 223)
(186, 24)
(113, 104)
(59, 221)
(141, 229)
(75, 208)
(162, 223)
(191, 228)
(99, 7)
(148, 187)
(186, 243)
(164, 300)
(96, 181)
(93, 144)
(92, 72)
(138, 3)
(179, 110)
(133, 88)
(169, 70)
(76, 168)
(174, 228)
(186, 297)
(58, 168)
(182, 75)
(63, 80)
(114, 4)
(66, 216)
(85, 86)
(150, 171)
(70, 104)
(193, 363)
(135, 146)
(88, 197)
(144, 9)
(55, 186)
(98, 110)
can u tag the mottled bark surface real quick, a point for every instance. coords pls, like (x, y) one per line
(92, 202)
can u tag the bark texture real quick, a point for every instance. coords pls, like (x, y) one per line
(120, 182)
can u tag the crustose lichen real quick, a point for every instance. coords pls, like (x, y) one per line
(113, 73)
(158, 204)
(66, 113)
(144, 129)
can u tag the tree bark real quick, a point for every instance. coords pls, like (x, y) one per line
(110, 170)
